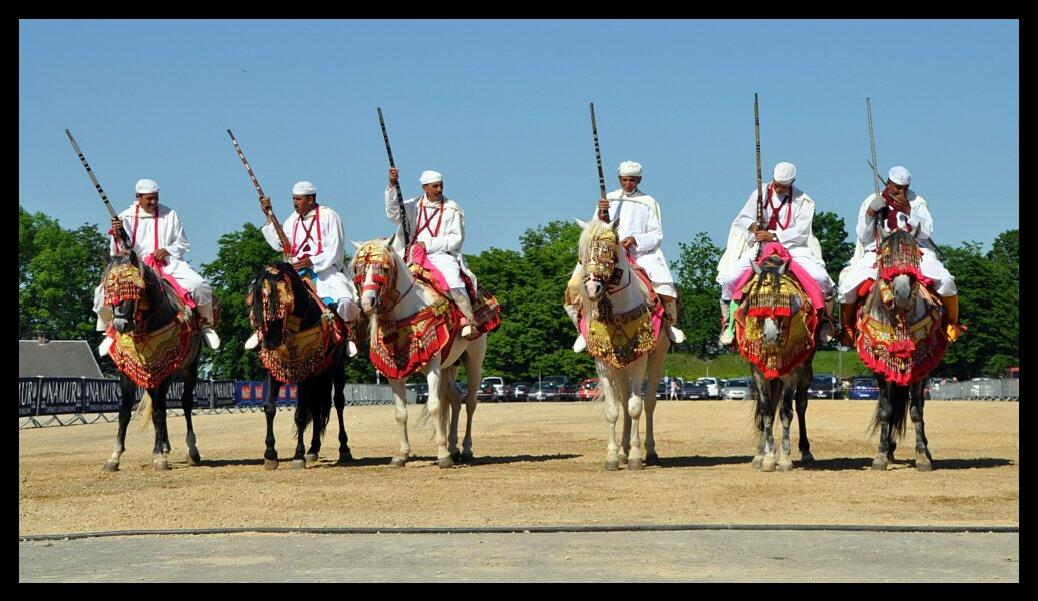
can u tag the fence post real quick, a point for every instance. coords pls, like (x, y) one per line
(212, 394)
(39, 393)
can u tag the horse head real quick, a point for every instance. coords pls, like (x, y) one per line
(130, 289)
(374, 270)
(774, 299)
(271, 299)
(899, 275)
(599, 255)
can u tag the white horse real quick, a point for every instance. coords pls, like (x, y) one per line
(390, 294)
(622, 339)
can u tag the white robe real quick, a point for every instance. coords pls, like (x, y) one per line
(444, 248)
(170, 237)
(797, 238)
(640, 218)
(863, 264)
(328, 264)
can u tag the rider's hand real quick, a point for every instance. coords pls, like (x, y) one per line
(764, 236)
(116, 224)
(161, 255)
(264, 204)
(603, 204)
(628, 242)
(302, 264)
(901, 202)
(877, 202)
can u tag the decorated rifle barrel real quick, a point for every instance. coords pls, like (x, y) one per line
(286, 246)
(598, 158)
(872, 146)
(399, 195)
(97, 185)
(756, 136)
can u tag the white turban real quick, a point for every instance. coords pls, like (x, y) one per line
(303, 188)
(784, 173)
(630, 169)
(146, 186)
(430, 177)
(900, 176)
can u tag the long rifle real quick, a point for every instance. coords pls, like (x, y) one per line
(876, 182)
(603, 214)
(123, 237)
(396, 183)
(286, 246)
(760, 197)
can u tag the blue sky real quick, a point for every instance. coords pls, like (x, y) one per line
(501, 108)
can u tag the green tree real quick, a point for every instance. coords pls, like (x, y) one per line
(831, 232)
(58, 270)
(696, 272)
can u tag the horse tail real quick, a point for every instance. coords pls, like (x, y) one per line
(899, 403)
(144, 410)
(324, 402)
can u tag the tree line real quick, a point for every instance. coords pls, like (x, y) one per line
(59, 268)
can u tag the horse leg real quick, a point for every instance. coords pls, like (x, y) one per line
(612, 411)
(654, 367)
(302, 418)
(635, 405)
(767, 424)
(270, 410)
(884, 410)
(129, 390)
(400, 398)
(621, 392)
(160, 453)
(451, 395)
(320, 409)
(805, 444)
(187, 401)
(785, 463)
(474, 367)
(339, 382)
(436, 405)
(923, 459)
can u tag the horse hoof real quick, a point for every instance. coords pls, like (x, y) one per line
(652, 459)
(345, 458)
(612, 466)
(110, 466)
(785, 467)
(310, 459)
(398, 462)
(194, 458)
(879, 463)
(923, 463)
(161, 466)
(270, 464)
(445, 462)
(757, 462)
(466, 457)
(634, 464)
(622, 459)
(768, 465)
(456, 456)
(807, 457)
(298, 464)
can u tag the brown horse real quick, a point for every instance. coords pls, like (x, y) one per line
(155, 338)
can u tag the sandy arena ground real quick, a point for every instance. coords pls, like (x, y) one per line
(536, 464)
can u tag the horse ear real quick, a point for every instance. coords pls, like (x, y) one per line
(783, 267)
(756, 267)
(582, 224)
(356, 244)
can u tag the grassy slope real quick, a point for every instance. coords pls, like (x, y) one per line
(733, 365)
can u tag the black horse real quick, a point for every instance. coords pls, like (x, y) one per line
(298, 342)
(910, 343)
(155, 341)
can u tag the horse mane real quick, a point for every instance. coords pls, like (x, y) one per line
(400, 267)
(594, 230)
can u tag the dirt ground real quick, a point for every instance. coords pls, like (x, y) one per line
(535, 464)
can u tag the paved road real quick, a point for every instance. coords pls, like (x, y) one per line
(697, 556)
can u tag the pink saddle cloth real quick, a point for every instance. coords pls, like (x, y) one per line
(184, 295)
(809, 284)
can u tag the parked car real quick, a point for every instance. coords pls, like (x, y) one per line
(421, 391)
(544, 391)
(823, 386)
(565, 389)
(501, 391)
(520, 390)
(486, 392)
(864, 387)
(587, 389)
(712, 386)
(736, 389)
(694, 391)
(983, 387)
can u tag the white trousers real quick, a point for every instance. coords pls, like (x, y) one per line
(865, 268)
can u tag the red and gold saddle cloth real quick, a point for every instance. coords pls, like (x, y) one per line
(797, 338)
(485, 307)
(902, 352)
(403, 347)
(303, 354)
(621, 339)
(149, 359)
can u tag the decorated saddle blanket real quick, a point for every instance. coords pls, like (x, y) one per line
(620, 339)
(902, 352)
(484, 305)
(807, 283)
(304, 353)
(796, 339)
(406, 346)
(149, 359)
(181, 292)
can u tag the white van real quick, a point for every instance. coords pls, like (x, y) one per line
(713, 386)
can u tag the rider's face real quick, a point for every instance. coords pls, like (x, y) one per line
(304, 203)
(433, 191)
(630, 183)
(149, 203)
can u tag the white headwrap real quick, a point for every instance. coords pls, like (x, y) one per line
(146, 186)
(430, 177)
(784, 173)
(900, 176)
(303, 188)
(630, 169)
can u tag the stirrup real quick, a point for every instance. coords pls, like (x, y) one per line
(727, 337)
(211, 338)
(676, 336)
(579, 345)
(352, 349)
(252, 342)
